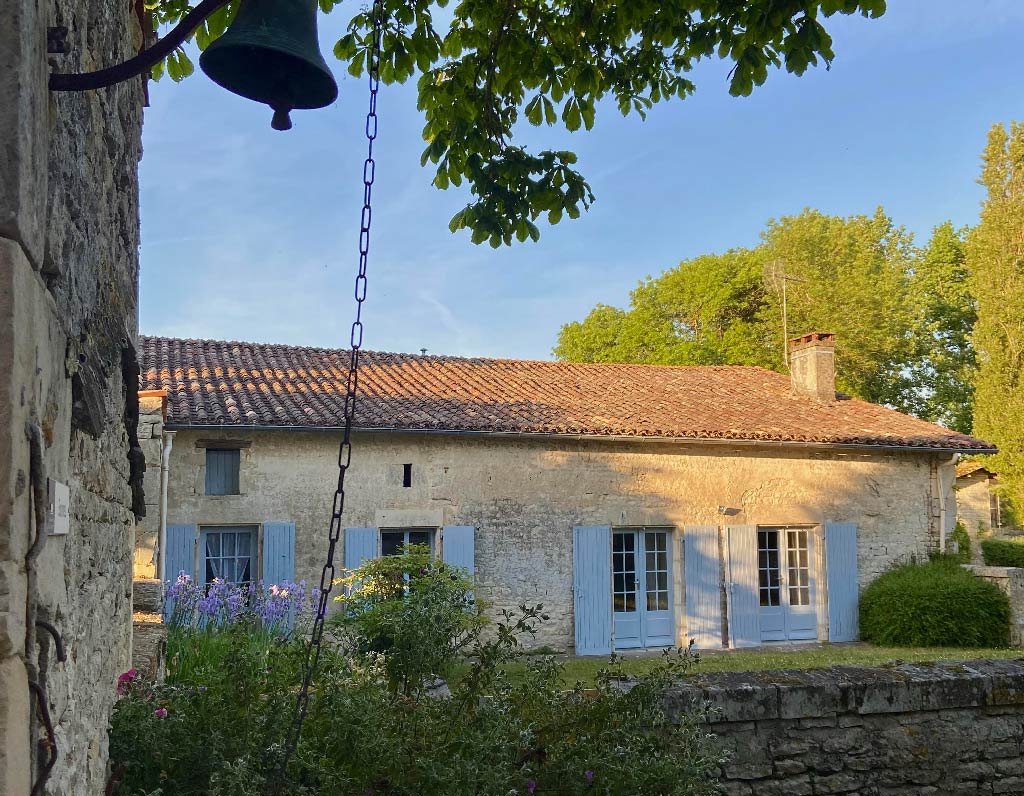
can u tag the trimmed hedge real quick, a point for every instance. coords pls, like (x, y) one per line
(938, 604)
(1003, 552)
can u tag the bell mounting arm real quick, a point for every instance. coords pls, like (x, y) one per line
(141, 63)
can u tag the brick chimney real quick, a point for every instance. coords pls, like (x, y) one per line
(812, 366)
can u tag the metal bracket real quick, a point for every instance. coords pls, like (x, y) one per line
(57, 41)
(141, 63)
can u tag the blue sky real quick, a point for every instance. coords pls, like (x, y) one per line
(250, 234)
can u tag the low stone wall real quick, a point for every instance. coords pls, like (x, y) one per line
(1011, 581)
(909, 729)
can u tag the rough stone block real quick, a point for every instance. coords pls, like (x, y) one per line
(14, 718)
(24, 103)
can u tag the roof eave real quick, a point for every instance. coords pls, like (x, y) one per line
(881, 447)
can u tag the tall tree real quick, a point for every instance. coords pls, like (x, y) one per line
(852, 276)
(943, 370)
(706, 311)
(995, 259)
(845, 275)
(492, 63)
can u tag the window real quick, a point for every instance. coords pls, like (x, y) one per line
(656, 567)
(406, 475)
(768, 568)
(798, 561)
(222, 471)
(624, 571)
(229, 554)
(391, 542)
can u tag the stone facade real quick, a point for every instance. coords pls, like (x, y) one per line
(909, 730)
(69, 235)
(152, 440)
(974, 501)
(524, 497)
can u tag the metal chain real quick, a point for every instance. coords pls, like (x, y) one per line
(345, 450)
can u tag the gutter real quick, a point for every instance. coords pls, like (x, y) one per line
(165, 459)
(536, 435)
(943, 503)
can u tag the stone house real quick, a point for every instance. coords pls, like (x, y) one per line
(642, 505)
(977, 502)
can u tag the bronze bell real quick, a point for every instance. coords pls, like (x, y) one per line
(270, 54)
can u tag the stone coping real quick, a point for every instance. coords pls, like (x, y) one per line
(824, 693)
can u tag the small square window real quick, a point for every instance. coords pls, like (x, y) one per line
(222, 471)
(406, 475)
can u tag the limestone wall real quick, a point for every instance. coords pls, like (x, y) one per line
(68, 278)
(908, 730)
(525, 496)
(974, 503)
(151, 440)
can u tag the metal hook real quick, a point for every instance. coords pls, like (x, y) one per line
(58, 642)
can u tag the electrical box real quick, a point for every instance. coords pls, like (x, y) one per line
(59, 496)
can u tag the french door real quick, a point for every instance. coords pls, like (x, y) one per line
(786, 584)
(642, 588)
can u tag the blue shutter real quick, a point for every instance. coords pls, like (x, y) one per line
(278, 552)
(222, 471)
(703, 593)
(744, 599)
(360, 546)
(178, 557)
(592, 589)
(841, 573)
(457, 547)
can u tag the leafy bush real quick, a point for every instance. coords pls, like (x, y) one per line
(1003, 552)
(415, 612)
(963, 543)
(937, 604)
(217, 725)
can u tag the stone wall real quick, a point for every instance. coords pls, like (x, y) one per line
(68, 278)
(908, 730)
(1011, 581)
(525, 496)
(151, 440)
(974, 508)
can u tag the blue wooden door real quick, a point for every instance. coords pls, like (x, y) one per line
(658, 627)
(592, 589)
(742, 587)
(771, 589)
(841, 574)
(626, 562)
(801, 606)
(702, 568)
(360, 546)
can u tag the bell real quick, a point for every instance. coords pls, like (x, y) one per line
(270, 54)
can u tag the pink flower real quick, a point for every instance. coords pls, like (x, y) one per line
(160, 713)
(124, 682)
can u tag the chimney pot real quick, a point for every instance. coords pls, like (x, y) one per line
(812, 366)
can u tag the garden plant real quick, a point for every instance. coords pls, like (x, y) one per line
(379, 722)
(934, 604)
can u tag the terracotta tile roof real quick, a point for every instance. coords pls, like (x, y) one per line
(214, 383)
(971, 466)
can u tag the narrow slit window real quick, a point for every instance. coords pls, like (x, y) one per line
(406, 475)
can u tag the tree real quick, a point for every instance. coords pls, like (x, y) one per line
(552, 62)
(853, 274)
(943, 370)
(846, 275)
(995, 260)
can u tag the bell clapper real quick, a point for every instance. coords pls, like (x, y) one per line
(281, 120)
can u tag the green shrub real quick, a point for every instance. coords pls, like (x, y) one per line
(963, 543)
(216, 727)
(1003, 552)
(937, 604)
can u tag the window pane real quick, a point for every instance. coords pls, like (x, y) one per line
(663, 581)
(630, 602)
(663, 601)
(244, 541)
(227, 544)
(620, 583)
(652, 581)
(419, 537)
(390, 542)
(617, 543)
(242, 570)
(620, 603)
(650, 560)
(212, 545)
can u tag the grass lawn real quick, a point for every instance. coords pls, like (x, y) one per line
(817, 657)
